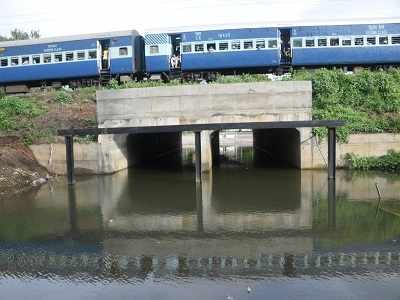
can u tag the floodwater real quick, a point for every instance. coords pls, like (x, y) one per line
(246, 233)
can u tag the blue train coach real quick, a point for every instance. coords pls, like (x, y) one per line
(344, 45)
(212, 49)
(272, 48)
(71, 59)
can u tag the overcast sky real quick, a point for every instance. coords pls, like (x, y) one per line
(54, 18)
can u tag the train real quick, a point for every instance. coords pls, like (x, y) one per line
(97, 58)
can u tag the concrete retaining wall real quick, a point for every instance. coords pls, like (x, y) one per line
(359, 144)
(107, 156)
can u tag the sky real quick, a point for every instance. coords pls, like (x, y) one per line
(57, 18)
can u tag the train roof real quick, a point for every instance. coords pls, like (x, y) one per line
(59, 39)
(273, 25)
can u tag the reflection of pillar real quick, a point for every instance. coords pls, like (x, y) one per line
(199, 207)
(306, 209)
(289, 268)
(206, 193)
(73, 218)
(332, 203)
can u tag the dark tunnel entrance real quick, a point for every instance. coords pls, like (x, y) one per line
(277, 148)
(268, 148)
(155, 150)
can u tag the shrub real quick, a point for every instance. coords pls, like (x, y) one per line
(16, 113)
(369, 101)
(63, 97)
(389, 162)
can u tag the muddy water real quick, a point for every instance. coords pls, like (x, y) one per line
(245, 234)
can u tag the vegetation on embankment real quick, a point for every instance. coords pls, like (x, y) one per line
(368, 100)
(389, 162)
(36, 117)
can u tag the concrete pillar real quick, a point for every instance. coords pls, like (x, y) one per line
(209, 149)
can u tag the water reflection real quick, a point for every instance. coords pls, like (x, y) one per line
(137, 226)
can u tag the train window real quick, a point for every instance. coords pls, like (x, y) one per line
(92, 54)
(14, 61)
(383, 40)
(211, 47)
(154, 49)
(4, 62)
(25, 60)
(123, 51)
(310, 43)
(223, 46)
(260, 44)
(298, 43)
(235, 45)
(248, 45)
(47, 58)
(371, 40)
(334, 42)
(58, 57)
(322, 42)
(36, 59)
(81, 55)
(187, 48)
(69, 56)
(199, 47)
(346, 42)
(396, 40)
(272, 44)
(359, 41)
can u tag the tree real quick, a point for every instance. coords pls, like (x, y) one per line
(35, 34)
(19, 34)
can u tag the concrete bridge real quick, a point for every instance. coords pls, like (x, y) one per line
(209, 104)
(146, 125)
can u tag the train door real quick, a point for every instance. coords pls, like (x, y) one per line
(286, 49)
(105, 58)
(175, 61)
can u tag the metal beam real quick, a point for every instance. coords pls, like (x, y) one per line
(200, 127)
(331, 153)
(198, 155)
(69, 149)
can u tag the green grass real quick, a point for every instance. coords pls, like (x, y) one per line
(17, 113)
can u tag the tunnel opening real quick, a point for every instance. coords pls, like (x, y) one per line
(277, 148)
(267, 148)
(155, 150)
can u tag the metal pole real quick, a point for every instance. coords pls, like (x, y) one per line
(69, 144)
(198, 155)
(331, 153)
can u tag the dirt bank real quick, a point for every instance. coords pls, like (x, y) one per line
(18, 167)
